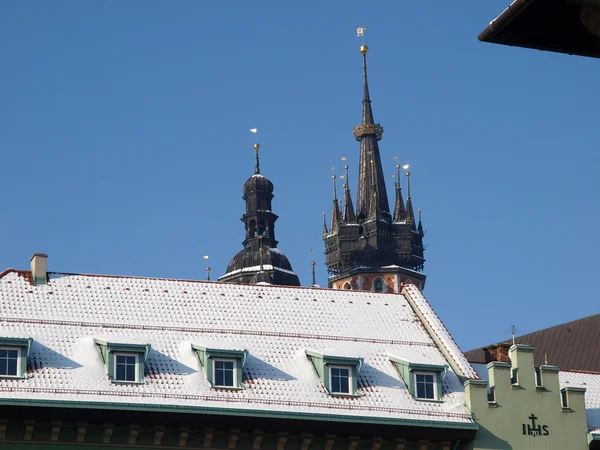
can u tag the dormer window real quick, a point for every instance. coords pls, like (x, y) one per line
(126, 366)
(222, 364)
(224, 373)
(425, 385)
(424, 381)
(340, 379)
(9, 361)
(125, 362)
(14, 353)
(338, 372)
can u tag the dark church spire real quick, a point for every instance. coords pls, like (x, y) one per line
(367, 242)
(420, 226)
(349, 216)
(410, 213)
(260, 260)
(399, 211)
(370, 180)
(335, 212)
(256, 165)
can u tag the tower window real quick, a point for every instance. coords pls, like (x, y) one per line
(378, 285)
(262, 227)
(347, 286)
(252, 229)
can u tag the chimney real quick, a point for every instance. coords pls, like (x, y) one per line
(497, 352)
(38, 268)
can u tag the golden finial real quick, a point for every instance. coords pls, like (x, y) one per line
(256, 146)
(364, 49)
(344, 186)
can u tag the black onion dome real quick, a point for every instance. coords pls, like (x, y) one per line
(258, 183)
(250, 257)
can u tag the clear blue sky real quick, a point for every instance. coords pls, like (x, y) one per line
(125, 143)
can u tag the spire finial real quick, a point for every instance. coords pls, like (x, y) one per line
(208, 274)
(314, 278)
(408, 182)
(256, 147)
(347, 180)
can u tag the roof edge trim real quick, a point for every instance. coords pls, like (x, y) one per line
(242, 412)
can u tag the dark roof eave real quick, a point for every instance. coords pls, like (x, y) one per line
(498, 24)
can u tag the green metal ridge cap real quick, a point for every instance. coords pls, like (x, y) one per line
(471, 425)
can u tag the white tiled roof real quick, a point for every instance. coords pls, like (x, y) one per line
(591, 383)
(441, 332)
(274, 324)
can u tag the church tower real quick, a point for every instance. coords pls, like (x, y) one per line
(371, 248)
(260, 261)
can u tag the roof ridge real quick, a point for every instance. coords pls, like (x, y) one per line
(589, 372)
(7, 271)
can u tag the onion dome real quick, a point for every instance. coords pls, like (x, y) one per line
(257, 183)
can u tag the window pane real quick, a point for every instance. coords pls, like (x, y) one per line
(429, 390)
(228, 378)
(13, 353)
(130, 359)
(219, 365)
(131, 372)
(3, 353)
(120, 359)
(219, 378)
(420, 390)
(228, 365)
(344, 384)
(120, 371)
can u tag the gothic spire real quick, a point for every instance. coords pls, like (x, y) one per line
(368, 133)
(349, 216)
(399, 211)
(325, 231)
(335, 213)
(410, 214)
(420, 226)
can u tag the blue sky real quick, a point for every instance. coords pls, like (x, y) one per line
(125, 143)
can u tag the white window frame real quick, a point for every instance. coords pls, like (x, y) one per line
(350, 381)
(19, 373)
(214, 370)
(435, 387)
(137, 367)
